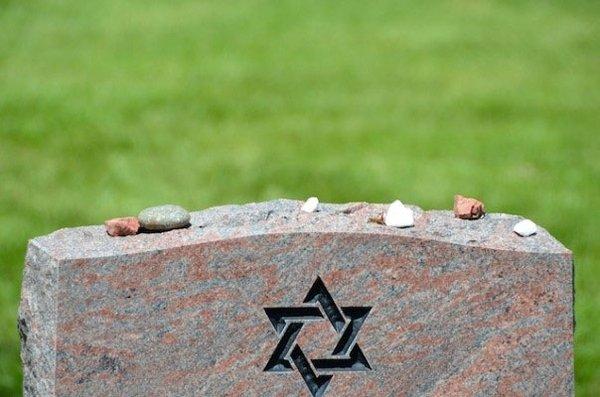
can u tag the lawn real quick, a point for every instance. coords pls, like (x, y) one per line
(109, 106)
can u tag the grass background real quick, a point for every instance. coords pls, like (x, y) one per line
(109, 106)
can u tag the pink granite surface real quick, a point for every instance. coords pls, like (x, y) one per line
(453, 307)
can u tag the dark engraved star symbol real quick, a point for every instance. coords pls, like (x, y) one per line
(318, 305)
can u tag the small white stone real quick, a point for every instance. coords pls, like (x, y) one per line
(310, 205)
(398, 215)
(525, 228)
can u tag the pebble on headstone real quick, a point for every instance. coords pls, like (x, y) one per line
(398, 215)
(525, 228)
(310, 205)
(250, 305)
(468, 208)
(378, 219)
(127, 226)
(164, 217)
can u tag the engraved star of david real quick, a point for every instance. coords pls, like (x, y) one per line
(346, 355)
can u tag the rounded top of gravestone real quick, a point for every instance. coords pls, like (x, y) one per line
(494, 231)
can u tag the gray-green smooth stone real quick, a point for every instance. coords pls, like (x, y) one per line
(164, 217)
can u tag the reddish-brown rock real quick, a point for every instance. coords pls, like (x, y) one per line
(468, 208)
(122, 226)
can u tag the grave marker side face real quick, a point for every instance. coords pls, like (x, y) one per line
(299, 304)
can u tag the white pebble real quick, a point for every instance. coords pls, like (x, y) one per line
(398, 215)
(525, 228)
(310, 205)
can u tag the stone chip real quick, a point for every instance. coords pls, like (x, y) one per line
(468, 208)
(127, 226)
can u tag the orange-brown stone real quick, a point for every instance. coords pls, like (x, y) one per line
(468, 208)
(122, 226)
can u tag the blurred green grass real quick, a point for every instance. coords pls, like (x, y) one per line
(110, 106)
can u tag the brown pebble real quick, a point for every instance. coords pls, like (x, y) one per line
(122, 226)
(377, 219)
(353, 208)
(468, 208)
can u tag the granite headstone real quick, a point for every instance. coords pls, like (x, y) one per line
(266, 300)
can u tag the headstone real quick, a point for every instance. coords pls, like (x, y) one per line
(267, 300)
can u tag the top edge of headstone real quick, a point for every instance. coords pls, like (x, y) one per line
(283, 216)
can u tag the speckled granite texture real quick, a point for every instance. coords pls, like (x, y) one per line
(447, 308)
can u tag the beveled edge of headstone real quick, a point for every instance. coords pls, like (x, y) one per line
(283, 216)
